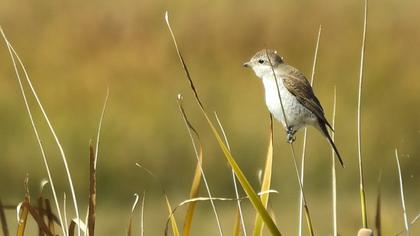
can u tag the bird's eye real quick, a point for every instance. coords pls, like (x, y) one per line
(261, 61)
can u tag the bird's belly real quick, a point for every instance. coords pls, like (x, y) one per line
(297, 115)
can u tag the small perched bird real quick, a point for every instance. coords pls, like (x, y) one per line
(300, 105)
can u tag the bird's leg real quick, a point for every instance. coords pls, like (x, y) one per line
(290, 134)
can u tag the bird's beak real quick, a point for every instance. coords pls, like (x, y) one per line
(247, 64)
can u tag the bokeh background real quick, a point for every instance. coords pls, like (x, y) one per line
(74, 50)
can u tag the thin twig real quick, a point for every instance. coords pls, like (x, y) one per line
(302, 165)
(305, 205)
(255, 200)
(378, 221)
(200, 199)
(191, 130)
(60, 147)
(406, 225)
(235, 185)
(3, 220)
(65, 211)
(333, 174)
(359, 122)
(34, 127)
(411, 223)
(142, 214)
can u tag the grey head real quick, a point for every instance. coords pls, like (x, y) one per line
(263, 60)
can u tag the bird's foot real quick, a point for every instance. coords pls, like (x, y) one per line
(290, 138)
(290, 135)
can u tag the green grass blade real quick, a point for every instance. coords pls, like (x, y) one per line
(265, 186)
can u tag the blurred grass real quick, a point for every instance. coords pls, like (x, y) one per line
(74, 50)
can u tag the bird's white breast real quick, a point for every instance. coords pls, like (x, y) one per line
(296, 114)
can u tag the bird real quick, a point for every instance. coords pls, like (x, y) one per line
(300, 105)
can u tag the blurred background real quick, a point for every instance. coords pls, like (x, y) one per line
(74, 50)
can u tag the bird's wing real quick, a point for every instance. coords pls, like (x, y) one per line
(299, 86)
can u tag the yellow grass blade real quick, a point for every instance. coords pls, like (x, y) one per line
(406, 225)
(235, 184)
(195, 189)
(175, 231)
(130, 220)
(3, 220)
(259, 224)
(237, 224)
(253, 197)
(199, 156)
(23, 217)
(255, 200)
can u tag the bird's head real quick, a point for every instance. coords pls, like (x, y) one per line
(263, 62)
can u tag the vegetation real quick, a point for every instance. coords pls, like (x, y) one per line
(223, 199)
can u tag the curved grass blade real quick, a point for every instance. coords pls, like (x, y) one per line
(255, 200)
(175, 231)
(34, 127)
(23, 217)
(39, 220)
(411, 223)
(57, 141)
(130, 220)
(49, 216)
(199, 157)
(406, 225)
(201, 199)
(266, 183)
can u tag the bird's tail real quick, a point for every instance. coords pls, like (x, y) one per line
(324, 130)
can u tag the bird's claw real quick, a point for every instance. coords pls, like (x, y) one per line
(290, 135)
(290, 138)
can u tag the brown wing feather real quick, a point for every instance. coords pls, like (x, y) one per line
(298, 85)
